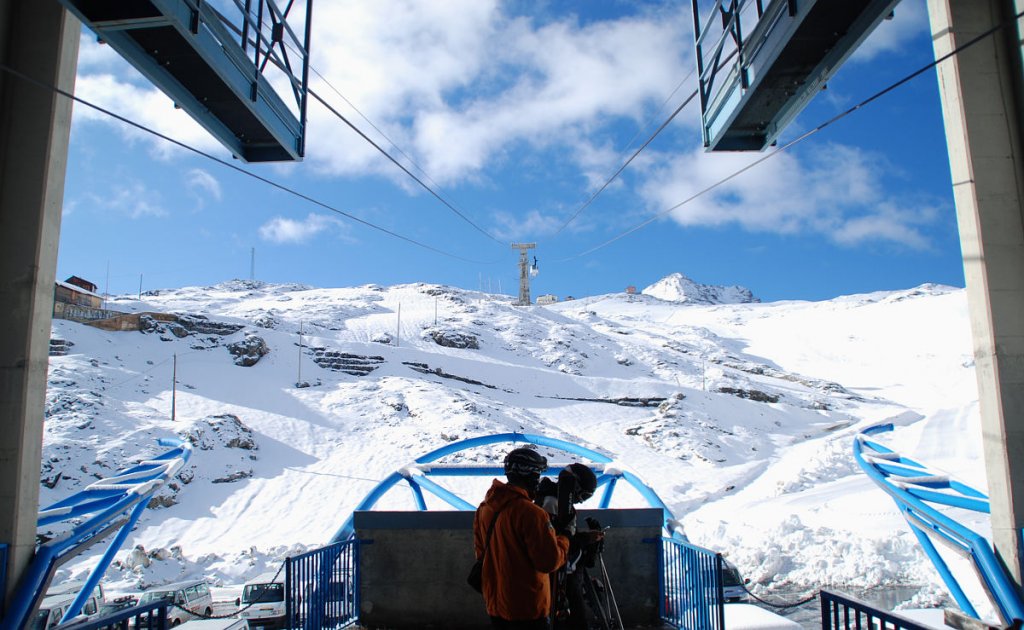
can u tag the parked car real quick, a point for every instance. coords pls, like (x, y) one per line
(190, 600)
(734, 587)
(262, 601)
(116, 604)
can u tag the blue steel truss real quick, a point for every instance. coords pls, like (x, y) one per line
(216, 60)
(104, 507)
(419, 477)
(920, 493)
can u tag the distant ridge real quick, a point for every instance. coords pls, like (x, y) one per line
(678, 288)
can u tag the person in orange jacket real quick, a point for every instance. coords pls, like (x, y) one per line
(519, 545)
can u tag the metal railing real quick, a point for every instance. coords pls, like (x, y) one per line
(3, 576)
(322, 587)
(146, 617)
(691, 586)
(923, 496)
(839, 612)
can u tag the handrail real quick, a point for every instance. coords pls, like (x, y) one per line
(692, 591)
(103, 507)
(914, 488)
(152, 616)
(836, 615)
(416, 476)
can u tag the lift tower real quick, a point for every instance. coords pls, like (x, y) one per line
(524, 272)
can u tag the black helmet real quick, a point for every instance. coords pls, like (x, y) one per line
(586, 481)
(525, 462)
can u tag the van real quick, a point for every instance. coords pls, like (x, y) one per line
(262, 602)
(53, 607)
(191, 599)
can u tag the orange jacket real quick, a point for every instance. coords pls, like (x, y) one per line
(523, 551)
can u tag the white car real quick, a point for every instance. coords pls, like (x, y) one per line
(190, 599)
(262, 602)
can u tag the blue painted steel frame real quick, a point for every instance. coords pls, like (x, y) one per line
(323, 583)
(913, 486)
(692, 592)
(115, 502)
(416, 476)
(841, 613)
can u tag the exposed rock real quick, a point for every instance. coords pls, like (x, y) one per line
(453, 339)
(750, 394)
(383, 338)
(678, 288)
(238, 475)
(59, 347)
(354, 364)
(249, 351)
(225, 430)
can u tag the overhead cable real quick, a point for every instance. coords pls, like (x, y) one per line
(402, 166)
(801, 138)
(653, 136)
(627, 162)
(6, 68)
(334, 111)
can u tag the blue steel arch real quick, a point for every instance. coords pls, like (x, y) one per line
(417, 476)
(921, 493)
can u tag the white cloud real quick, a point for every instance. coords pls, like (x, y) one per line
(133, 200)
(146, 106)
(456, 84)
(513, 227)
(202, 183)
(835, 191)
(910, 19)
(285, 230)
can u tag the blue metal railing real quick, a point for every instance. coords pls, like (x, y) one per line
(918, 493)
(839, 612)
(3, 576)
(691, 586)
(107, 506)
(151, 616)
(322, 587)
(419, 476)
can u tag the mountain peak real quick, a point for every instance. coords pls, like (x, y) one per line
(678, 288)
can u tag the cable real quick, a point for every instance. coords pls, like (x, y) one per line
(6, 68)
(419, 168)
(686, 102)
(627, 162)
(342, 118)
(801, 138)
(401, 166)
(809, 598)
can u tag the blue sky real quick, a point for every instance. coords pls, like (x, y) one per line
(517, 112)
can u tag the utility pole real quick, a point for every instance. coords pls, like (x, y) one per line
(140, 287)
(524, 272)
(106, 289)
(398, 327)
(298, 379)
(174, 385)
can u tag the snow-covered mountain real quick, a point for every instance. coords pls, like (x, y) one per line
(678, 288)
(748, 436)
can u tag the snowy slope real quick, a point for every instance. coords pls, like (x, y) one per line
(750, 447)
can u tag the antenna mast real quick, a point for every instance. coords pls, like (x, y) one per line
(524, 272)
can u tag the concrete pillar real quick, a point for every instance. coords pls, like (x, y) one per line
(38, 39)
(981, 106)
